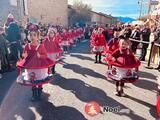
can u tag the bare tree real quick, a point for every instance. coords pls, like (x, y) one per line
(79, 13)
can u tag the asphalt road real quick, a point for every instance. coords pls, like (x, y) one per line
(77, 82)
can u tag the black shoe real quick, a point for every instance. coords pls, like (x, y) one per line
(141, 59)
(118, 93)
(53, 70)
(95, 62)
(157, 68)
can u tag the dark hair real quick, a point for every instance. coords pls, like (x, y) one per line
(122, 37)
(117, 29)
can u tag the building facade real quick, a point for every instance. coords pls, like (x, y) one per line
(102, 19)
(46, 11)
(11, 6)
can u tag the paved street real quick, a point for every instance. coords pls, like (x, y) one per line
(78, 81)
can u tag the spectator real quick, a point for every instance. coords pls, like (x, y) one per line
(157, 40)
(135, 35)
(145, 37)
(4, 62)
(105, 33)
(14, 37)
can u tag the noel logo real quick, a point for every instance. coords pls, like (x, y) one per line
(92, 108)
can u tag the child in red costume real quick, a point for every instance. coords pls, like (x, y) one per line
(51, 44)
(113, 44)
(158, 97)
(35, 65)
(98, 42)
(71, 38)
(65, 40)
(124, 66)
(94, 33)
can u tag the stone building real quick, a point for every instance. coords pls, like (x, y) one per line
(11, 6)
(96, 18)
(102, 19)
(46, 11)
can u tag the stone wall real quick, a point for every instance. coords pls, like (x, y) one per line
(10, 6)
(49, 11)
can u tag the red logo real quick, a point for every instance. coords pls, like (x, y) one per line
(92, 108)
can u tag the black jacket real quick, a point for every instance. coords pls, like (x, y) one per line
(146, 36)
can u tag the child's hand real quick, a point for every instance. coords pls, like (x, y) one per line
(38, 55)
(113, 59)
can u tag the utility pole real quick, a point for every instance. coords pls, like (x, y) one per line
(149, 7)
(141, 6)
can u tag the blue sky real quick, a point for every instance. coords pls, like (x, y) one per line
(124, 8)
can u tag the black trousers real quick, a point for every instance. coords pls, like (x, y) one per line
(119, 84)
(134, 46)
(143, 54)
(98, 55)
(15, 49)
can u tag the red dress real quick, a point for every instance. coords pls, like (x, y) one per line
(158, 106)
(123, 62)
(65, 39)
(99, 43)
(71, 37)
(124, 59)
(112, 45)
(35, 68)
(32, 61)
(52, 46)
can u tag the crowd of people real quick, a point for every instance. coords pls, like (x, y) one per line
(14, 36)
(120, 49)
(35, 49)
(121, 61)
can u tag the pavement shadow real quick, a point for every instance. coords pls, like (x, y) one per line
(146, 84)
(83, 71)
(5, 83)
(147, 75)
(87, 93)
(82, 57)
(48, 111)
(82, 48)
(153, 111)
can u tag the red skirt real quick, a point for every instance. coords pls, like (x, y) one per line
(158, 106)
(35, 63)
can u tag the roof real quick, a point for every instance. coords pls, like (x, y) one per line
(99, 13)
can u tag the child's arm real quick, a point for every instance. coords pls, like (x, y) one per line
(25, 54)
